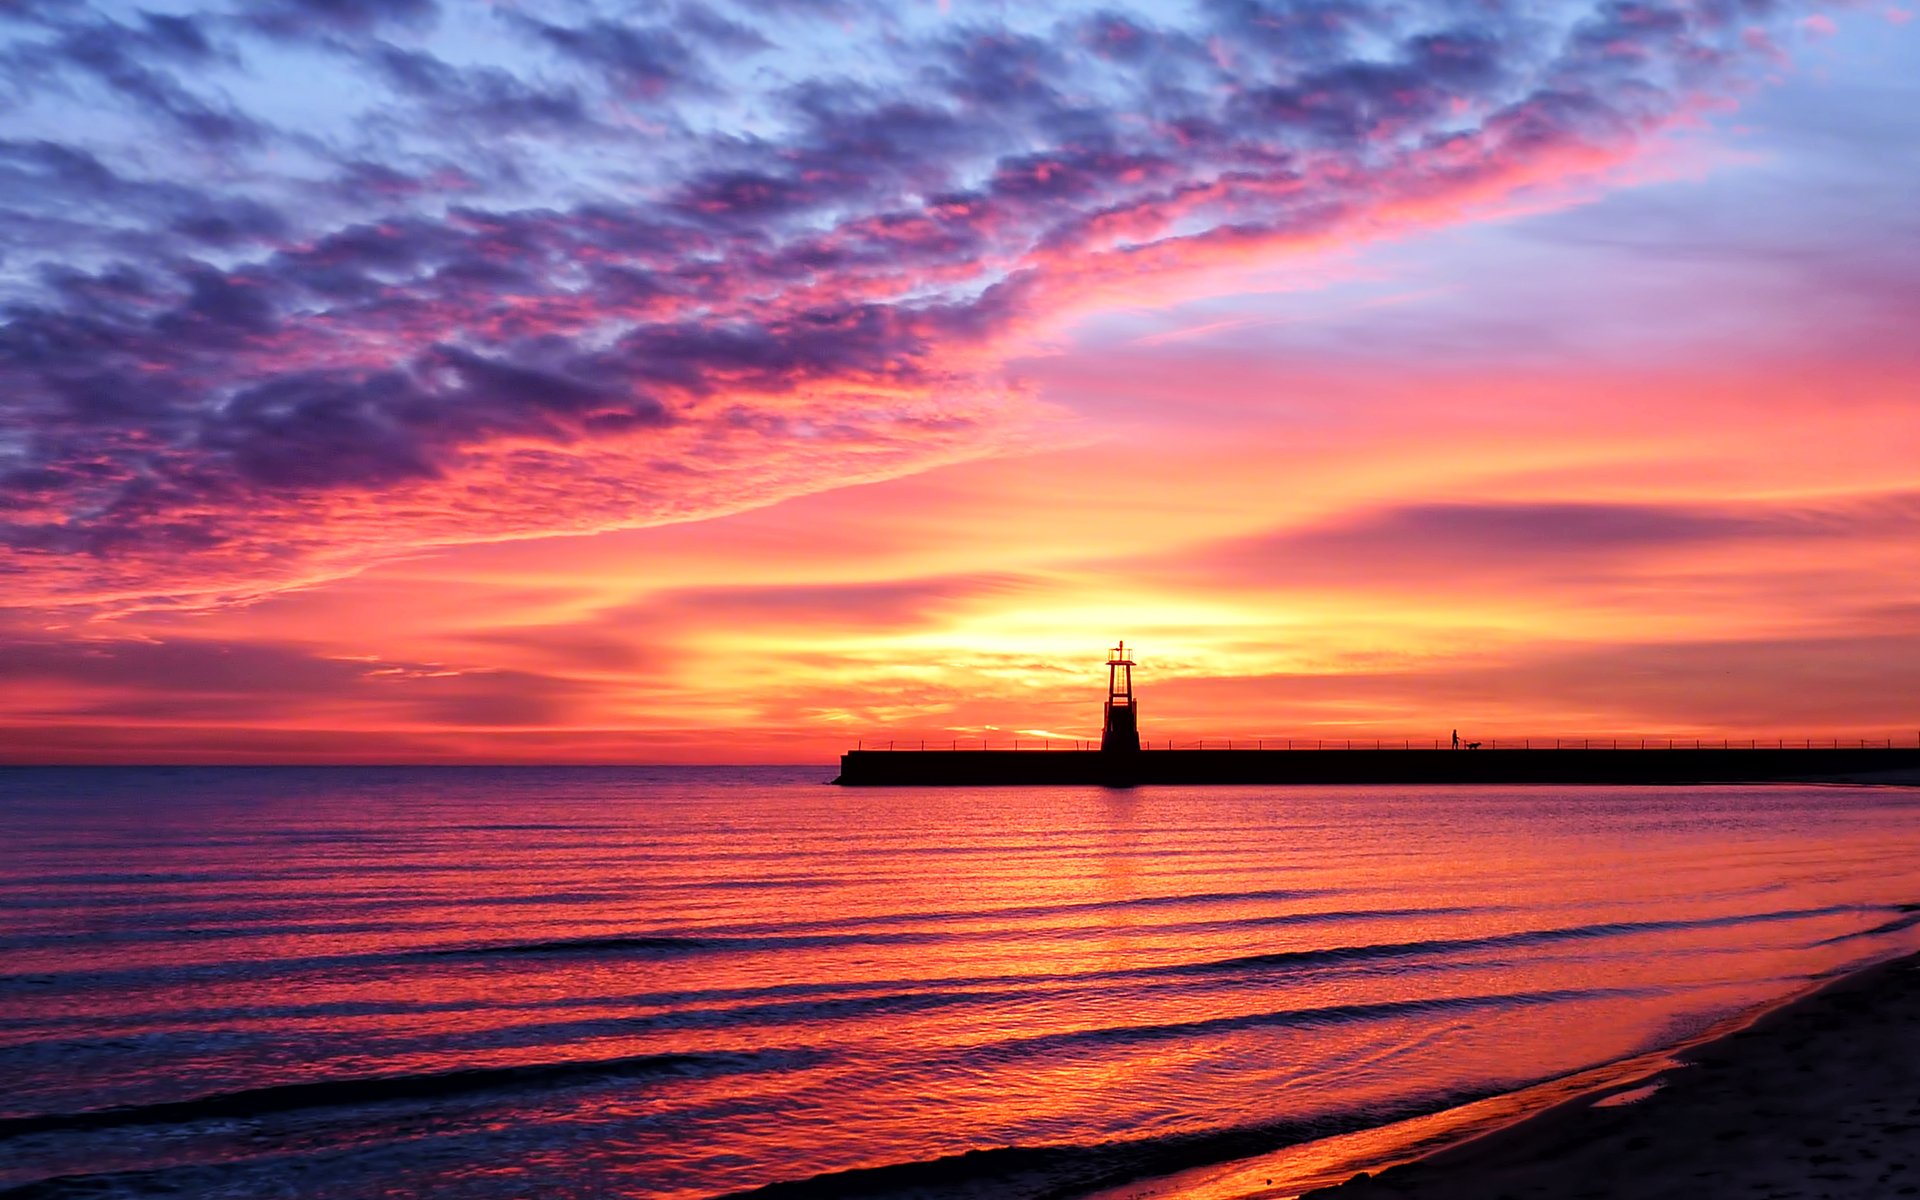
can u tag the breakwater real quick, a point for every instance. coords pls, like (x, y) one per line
(978, 768)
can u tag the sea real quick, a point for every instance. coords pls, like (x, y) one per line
(683, 983)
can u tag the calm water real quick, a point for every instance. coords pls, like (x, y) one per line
(497, 983)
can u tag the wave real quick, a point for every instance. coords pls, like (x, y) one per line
(1049, 1171)
(427, 1085)
(1173, 900)
(516, 827)
(785, 934)
(1014, 1172)
(737, 941)
(93, 940)
(1333, 955)
(1908, 918)
(609, 944)
(1332, 1014)
(648, 943)
(139, 878)
(211, 908)
(732, 885)
(668, 943)
(664, 944)
(612, 943)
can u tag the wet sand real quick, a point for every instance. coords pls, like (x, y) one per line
(1820, 1098)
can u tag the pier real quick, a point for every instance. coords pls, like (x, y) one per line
(984, 768)
(1126, 760)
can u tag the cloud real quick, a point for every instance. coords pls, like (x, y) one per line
(1466, 544)
(1820, 686)
(297, 18)
(655, 271)
(490, 98)
(186, 682)
(129, 62)
(641, 62)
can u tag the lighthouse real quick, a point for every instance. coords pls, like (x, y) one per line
(1122, 730)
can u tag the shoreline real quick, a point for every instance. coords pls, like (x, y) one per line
(1818, 1095)
(1796, 1097)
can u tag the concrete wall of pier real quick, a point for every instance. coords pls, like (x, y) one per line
(984, 768)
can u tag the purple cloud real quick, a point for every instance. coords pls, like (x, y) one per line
(205, 681)
(1467, 543)
(627, 270)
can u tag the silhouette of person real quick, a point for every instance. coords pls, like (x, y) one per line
(1456, 739)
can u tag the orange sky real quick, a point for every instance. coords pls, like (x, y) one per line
(1612, 438)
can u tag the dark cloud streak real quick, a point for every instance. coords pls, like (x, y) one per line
(1475, 545)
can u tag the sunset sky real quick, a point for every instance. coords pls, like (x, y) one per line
(660, 382)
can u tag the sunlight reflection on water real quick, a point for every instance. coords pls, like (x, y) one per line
(680, 983)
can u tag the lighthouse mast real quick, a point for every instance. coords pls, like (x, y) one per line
(1122, 729)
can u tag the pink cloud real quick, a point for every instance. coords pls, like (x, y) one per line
(827, 310)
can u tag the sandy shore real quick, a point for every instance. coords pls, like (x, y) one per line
(1820, 1098)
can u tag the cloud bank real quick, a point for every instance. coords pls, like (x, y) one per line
(289, 288)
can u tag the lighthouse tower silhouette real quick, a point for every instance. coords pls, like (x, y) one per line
(1122, 730)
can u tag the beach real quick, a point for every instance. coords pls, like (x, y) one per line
(1817, 1098)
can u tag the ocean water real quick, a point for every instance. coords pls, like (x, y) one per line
(698, 982)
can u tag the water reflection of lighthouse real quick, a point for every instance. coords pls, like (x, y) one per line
(1122, 730)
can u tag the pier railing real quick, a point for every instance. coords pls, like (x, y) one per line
(1521, 743)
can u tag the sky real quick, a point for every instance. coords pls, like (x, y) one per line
(466, 381)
